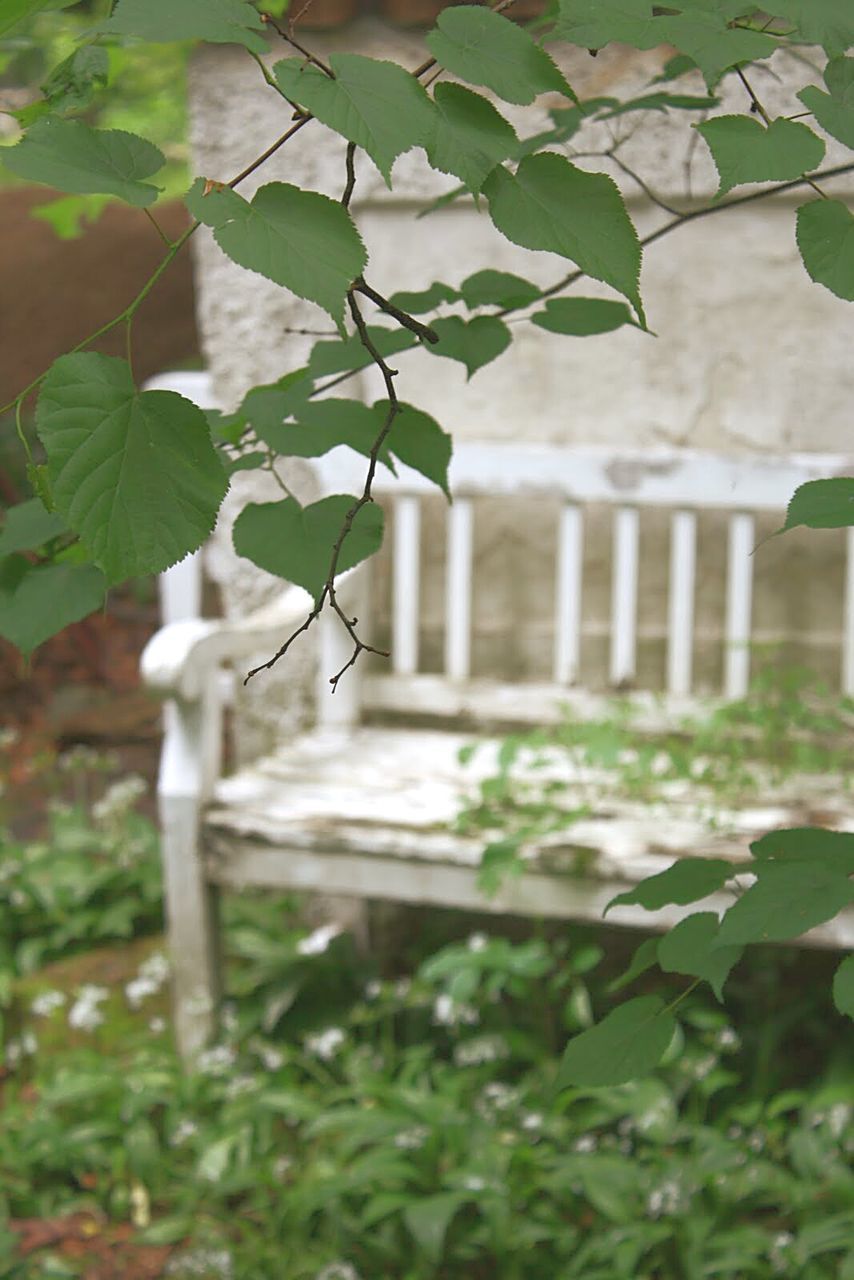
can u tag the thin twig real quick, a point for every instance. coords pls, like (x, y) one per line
(351, 175)
(403, 318)
(291, 39)
(327, 594)
(158, 228)
(647, 190)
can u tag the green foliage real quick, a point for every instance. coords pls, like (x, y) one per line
(687, 880)
(469, 136)
(822, 504)
(746, 151)
(825, 230)
(73, 157)
(298, 239)
(474, 343)
(36, 601)
(498, 289)
(550, 204)
(296, 542)
(582, 316)
(834, 110)
(487, 49)
(629, 1041)
(28, 526)
(377, 105)
(217, 21)
(401, 1122)
(134, 473)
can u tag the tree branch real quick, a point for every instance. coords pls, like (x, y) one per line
(403, 318)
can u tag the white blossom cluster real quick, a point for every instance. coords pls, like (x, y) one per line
(119, 799)
(46, 1002)
(317, 942)
(471, 1053)
(84, 1014)
(665, 1200)
(217, 1061)
(412, 1139)
(184, 1130)
(15, 1050)
(448, 1013)
(152, 975)
(326, 1043)
(338, 1271)
(202, 1262)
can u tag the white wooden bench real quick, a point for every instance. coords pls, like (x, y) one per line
(363, 804)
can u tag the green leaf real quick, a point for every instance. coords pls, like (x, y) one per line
(299, 239)
(485, 48)
(788, 898)
(419, 442)
(15, 11)
(29, 526)
(375, 104)
(217, 21)
(746, 151)
(340, 355)
(661, 102)
(834, 111)
(829, 23)
(416, 304)
(296, 543)
(550, 204)
(582, 316)
(266, 407)
(322, 425)
(498, 289)
(644, 958)
(822, 504)
(825, 232)
(428, 1219)
(68, 214)
(473, 342)
(135, 474)
(704, 34)
(38, 601)
(628, 1043)
(688, 948)
(73, 157)
(469, 137)
(834, 848)
(687, 880)
(843, 987)
(75, 81)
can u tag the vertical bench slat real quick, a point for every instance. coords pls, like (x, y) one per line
(406, 584)
(848, 631)
(624, 595)
(568, 595)
(739, 600)
(458, 590)
(680, 609)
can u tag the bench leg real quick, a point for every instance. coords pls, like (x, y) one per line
(192, 924)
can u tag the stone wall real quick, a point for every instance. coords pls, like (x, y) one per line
(749, 354)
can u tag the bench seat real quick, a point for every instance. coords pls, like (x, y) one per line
(372, 812)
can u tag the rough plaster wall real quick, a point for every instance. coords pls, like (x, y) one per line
(749, 354)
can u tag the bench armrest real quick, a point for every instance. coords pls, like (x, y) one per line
(181, 657)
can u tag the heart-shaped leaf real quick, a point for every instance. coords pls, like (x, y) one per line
(746, 151)
(38, 601)
(628, 1043)
(134, 473)
(688, 948)
(73, 157)
(473, 342)
(296, 543)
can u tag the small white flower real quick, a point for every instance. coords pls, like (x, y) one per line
(228, 1019)
(473, 1183)
(661, 764)
(271, 1057)
(478, 942)
(119, 799)
(472, 1053)
(701, 1068)
(8, 738)
(532, 1121)
(29, 1044)
(338, 1271)
(839, 1117)
(666, 1199)
(756, 1141)
(326, 1044)
(585, 1144)
(316, 943)
(217, 1061)
(12, 1053)
(498, 1096)
(238, 1086)
(202, 1262)
(282, 1166)
(777, 1254)
(734, 1132)
(373, 989)
(727, 1039)
(84, 1014)
(184, 1130)
(412, 1139)
(157, 1026)
(447, 1013)
(402, 988)
(45, 1003)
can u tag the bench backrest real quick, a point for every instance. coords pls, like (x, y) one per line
(627, 480)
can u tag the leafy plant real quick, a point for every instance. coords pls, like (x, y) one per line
(111, 452)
